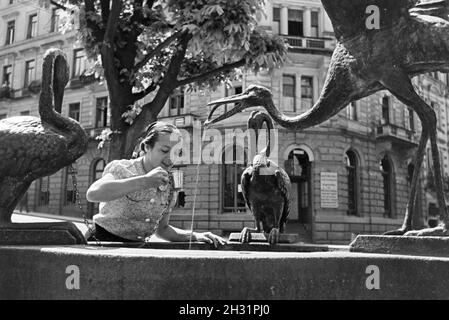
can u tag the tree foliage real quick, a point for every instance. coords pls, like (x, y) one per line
(153, 47)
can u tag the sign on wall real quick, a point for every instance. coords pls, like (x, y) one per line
(329, 190)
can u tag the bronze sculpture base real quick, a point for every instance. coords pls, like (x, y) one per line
(52, 233)
(403, 245)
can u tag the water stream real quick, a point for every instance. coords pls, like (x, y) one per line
(196, 184)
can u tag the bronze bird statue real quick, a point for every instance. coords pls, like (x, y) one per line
(265, 187)
(32, 147)
(413, 38)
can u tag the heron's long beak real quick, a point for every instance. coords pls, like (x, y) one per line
(239, 99)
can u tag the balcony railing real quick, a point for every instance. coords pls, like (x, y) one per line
(396, 134)
(319, 44)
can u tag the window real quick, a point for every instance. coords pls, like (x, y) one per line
(288, 92)
(79, 62)
(7, 76)
(306, 93)
(10, 29)
(276, 20)
(70, 194)
(54, 27)
(3, 116)
(295, 27)
(43, 198)
(177, 102)
(98, 169)
(351, 167)
(234, 163)
(96, 173)
(314, 24)
(101, 118)
(32, 26)
(74, 111)
(230, 92)
(30, 68)
(411, 119)
(277, 14)
(352, 111)
(386, 110)
(25, 113)
(387, 178)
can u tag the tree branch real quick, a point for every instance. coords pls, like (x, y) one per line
(210, 73)
(169, 83)
(97, 33)
(141, 94)
(137, 11)
(111, 27)
(156, 50)
(105, 10)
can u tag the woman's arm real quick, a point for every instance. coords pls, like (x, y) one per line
(109, 188)
(174, 234)
(170, 233)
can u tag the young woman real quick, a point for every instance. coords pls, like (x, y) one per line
(134, 193)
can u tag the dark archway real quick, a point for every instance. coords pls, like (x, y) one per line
(298, 167)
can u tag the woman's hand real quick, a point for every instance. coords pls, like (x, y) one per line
(209, 237)
(156, 177)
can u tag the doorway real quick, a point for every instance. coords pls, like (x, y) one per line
(298, 168)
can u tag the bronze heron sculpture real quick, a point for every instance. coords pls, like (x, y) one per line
(32, 147)
(265, 186)
(413, 38)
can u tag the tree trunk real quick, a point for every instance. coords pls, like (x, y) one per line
(134, 132)
(120, 98)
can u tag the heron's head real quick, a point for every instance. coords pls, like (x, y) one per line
(253, 96)
(260, 160)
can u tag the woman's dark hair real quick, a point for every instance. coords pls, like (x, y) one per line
(151, 136)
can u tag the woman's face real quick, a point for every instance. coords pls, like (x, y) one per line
(159, 155)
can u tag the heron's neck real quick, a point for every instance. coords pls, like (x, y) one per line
(50, 92)
(50, 99)
(309, 118)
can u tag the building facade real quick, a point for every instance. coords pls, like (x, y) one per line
(350, 175)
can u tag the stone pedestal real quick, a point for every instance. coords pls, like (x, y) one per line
(417, 246)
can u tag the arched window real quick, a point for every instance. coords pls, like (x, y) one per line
(43, 194)
(387, 177)
(234, 163)
(96, 173)
(351, 167)
(97, 169)
(70, 194)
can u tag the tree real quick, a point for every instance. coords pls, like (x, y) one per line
(153, 47)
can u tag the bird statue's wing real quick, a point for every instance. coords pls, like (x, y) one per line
(284, 185)
(20, 155)
(349, 17)
(246, 180)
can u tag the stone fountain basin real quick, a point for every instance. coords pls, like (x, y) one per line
(171, 271)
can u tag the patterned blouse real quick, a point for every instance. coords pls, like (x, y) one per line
(133, 216)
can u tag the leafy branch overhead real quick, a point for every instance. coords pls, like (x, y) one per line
(150, 48)
(217, 37)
